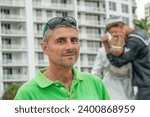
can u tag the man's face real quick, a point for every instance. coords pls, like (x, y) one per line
(63, 47)
(117, 33)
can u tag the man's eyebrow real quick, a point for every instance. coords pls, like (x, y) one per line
(60, 38)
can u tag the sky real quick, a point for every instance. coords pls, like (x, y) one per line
(140, 8)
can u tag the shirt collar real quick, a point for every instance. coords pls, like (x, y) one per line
(43, 81)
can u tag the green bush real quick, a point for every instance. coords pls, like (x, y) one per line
(10, 92)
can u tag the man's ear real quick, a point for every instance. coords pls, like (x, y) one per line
(44, 47)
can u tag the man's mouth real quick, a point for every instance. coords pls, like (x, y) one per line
(69, 54)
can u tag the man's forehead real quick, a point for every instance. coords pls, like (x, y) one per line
(64, 32)
(114, 29)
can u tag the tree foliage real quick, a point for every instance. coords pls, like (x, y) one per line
(10, 92)
(143, 24)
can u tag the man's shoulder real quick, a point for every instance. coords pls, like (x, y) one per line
(28, 85)
(138, 36)
(25, 90)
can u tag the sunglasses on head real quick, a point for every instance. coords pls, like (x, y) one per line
(60, 20)
(54, 22)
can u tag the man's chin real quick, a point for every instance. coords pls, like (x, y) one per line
(68, 64)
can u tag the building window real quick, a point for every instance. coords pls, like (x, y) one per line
(5, 11)
(7, 56)
(38, 14)
(92, 31)
(90, 44)
(92, 3)
(5, 26)
(6, 41)
(7, 70)
(126, 20)
(64, 1)
(40, 56)
(111, 16)
(81, 57)
(39, 40)
(125, 8)
(49, 14)
(39, 27)
(112, 6)
(61, 14)
(59, 1)
(91, 59)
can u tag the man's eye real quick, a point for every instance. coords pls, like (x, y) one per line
(74, 40)
(60, 41)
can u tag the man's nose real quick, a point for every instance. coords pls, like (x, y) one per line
(69, 45)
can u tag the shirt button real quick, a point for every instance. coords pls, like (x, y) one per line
(57, 85)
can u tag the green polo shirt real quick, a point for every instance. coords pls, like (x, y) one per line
(84, 86)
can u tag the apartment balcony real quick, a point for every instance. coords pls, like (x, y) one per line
(88, 64)
(12, 17)
(89, 50)
(38, 33)
(134, 16)
(40, 19)
(13, 32)
(59, 6)
(13, 3)
(134, 3)
(91, 23)
(91, 63)
(42, 63)
(89, 36)
(14, 62)
(38, 48)
(93, 9)
(15, 77)
(14, 47)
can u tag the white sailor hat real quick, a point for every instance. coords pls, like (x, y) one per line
(113, 20)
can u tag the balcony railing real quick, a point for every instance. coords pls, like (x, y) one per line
(38, 48)
(12, 17)
(89, 36)
(89, 50)
(13, 47)
(13, 31)
(15, 77)
(13, 2)
(91, 63)
(91, 23)
(42, 19)
(38, 33)
(42, 63)
(53, 5)
(91, 9)
(14, 62)
(87, 64)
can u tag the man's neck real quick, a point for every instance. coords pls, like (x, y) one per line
(64, 75)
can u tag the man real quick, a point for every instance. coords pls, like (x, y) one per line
(136, 51)
(117, 80)
(62, 81)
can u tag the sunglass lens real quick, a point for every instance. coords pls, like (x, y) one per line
(54, 22)
(71, 20)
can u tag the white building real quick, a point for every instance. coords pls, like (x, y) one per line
(147, 11)
(22, 21)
